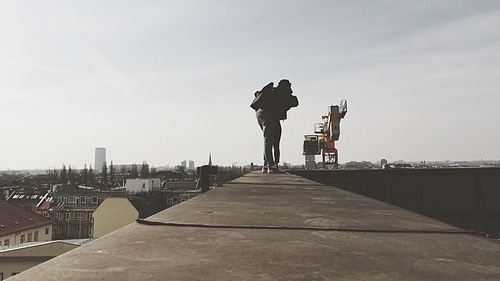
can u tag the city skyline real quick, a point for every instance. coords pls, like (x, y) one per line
(163, 82)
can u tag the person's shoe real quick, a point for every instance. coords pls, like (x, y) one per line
(265, 169)
(273, 169)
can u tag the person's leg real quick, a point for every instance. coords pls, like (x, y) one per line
(267, 125)
(276, 141)
(261, 121)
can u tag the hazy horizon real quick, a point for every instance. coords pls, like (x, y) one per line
(166, 81)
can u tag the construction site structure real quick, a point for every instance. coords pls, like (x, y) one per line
(326, 133)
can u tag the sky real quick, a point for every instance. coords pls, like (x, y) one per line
(166, 81)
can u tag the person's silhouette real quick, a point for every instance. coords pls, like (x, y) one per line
(271, 105)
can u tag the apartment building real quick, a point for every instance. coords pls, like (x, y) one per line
(18, 226)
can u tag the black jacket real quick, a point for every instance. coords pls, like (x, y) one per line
(277, 101)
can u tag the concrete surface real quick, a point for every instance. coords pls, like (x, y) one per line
(465, 197)
(337, 235)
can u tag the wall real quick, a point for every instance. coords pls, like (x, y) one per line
(15, 238)
(465, 197)
(142, 185)
(112, 214)
(20, 259)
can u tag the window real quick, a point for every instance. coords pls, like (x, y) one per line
(79, 216)
(30, 237)
(90, 231)
(46, 214)
(47, 231)
(71, 199)
(23, 238)
(6, 242)
(36, 236)
(60, 215)
(90, 216)
(95, 200)
(83, 200)
(67, 215)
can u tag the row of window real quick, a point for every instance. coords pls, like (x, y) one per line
(78, 200)
(73, 215)
(31, 237)
(68, 230)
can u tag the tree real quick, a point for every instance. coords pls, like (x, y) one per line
(144, 170)
(84, 175)
(112, 173)
(153, 171)
(64, 175)
(91, 176)
(71, 176)
(53, 175)
(133, 171)
(104, 170)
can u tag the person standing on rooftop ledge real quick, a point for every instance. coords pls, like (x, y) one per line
(271, 105)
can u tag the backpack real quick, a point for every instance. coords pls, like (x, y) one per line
(262, 98)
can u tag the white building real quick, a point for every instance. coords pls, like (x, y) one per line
(191, 165)
(100, 159)
(142, 185)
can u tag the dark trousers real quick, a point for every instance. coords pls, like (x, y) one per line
(271, 129)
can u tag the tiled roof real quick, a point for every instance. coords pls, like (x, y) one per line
(14, 219)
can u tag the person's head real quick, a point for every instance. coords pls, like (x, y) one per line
(285, 86)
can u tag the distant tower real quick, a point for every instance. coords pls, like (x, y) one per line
(100, 158)
(210, 159)
(191, 165)
(183, 164)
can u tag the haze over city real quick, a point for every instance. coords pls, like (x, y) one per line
(170, 81)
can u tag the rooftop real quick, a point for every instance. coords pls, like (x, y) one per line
(14, 219)
(279, 227)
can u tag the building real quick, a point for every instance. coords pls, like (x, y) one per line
(100, 159)
(28, 201)
(191, 165)
(183, 164)
(112, 214)
(180, 191)
(310, 162)
(73, 209)
(18, 226)
(124, 168)
(16, 259)
(142, 185)
(175, 197)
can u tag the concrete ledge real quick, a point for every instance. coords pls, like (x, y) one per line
(159, 252)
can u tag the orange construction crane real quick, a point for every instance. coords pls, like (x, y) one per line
(327, 132)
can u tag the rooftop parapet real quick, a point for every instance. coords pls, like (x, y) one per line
(279, 227)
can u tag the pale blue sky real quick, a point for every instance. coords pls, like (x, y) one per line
(164, 81)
